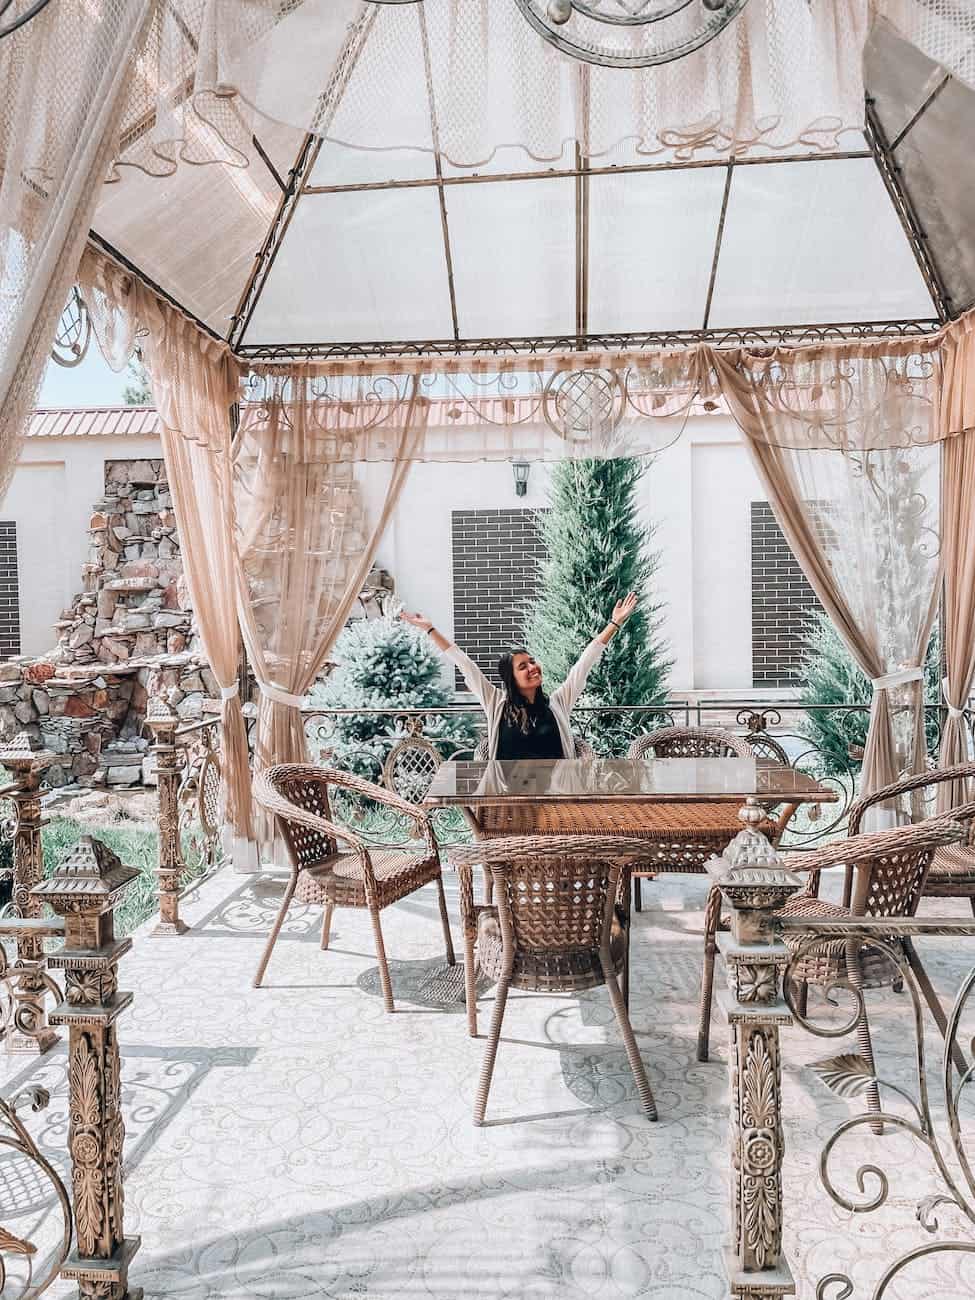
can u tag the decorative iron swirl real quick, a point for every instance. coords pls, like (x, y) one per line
(15, 1137)
(850, 1075)
(74, 330)
(12, 24)
(608, 32)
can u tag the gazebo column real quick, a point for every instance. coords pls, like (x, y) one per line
(27, 766)
(163, 721)
(85, 891)
(754, 884)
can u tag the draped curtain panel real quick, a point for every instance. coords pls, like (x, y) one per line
(63, 78)
(847, 449)
(472, 78)
(303, 547)
(195, 382)
(958, 544)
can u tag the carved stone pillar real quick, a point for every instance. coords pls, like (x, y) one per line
(27, 766)
(85, 890)
(754, 884)
(163, 720)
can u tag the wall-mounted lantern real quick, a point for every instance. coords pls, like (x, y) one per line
(520, 469)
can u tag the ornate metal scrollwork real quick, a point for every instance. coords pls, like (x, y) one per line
(629, 33)
(849, 1075)
(74, 332)
(11, 25)
(584, 405)
(18, 1255)
(198, 801)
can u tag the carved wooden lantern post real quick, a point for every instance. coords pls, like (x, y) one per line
(754, 883)
(27, 766)
(164, 720)
(85, 891)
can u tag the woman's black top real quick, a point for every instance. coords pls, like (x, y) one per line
(542, 739)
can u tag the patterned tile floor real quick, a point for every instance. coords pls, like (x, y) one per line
(295, 1141)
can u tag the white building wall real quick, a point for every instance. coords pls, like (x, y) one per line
(697, 493)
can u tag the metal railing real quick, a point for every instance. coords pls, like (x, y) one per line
(188, 819)
(361, 739)
(762, 970)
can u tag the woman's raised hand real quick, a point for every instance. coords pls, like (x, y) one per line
(415, 620)
(624, 608)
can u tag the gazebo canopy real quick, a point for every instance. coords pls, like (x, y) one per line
(472, 188)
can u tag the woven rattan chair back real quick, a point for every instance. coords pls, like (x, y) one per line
(557, 904)
(690, 742)
(583, 749)
(300, 786)
(763, 746)
(910, 786)
(410, 768)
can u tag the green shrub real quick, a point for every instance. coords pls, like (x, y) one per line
(385, 664)
(831, 677)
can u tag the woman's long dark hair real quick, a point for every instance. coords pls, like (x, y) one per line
(515, 704)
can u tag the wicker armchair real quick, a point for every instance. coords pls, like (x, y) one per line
(952, 873)
(337, 868)
(556, 928)
(890, 869)
(684, 836)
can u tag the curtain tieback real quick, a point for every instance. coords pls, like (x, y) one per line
(952, 711)
(900, 678)
(278, 695)
(228, 692)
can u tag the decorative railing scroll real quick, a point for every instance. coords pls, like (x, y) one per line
(188, 823)
(759, 1002)
(19, 1257)
(938, 1129)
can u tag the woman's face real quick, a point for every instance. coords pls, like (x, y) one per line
(527, 672)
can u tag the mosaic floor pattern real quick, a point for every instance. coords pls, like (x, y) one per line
(296, 1141)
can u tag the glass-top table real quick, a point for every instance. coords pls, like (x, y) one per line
(623, 780)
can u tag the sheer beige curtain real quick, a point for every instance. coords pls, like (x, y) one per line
(845, 443)
(195, 382)
(63, 77)
(303, 545)
(958, 544)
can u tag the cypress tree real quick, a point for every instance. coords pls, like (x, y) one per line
(597, 550)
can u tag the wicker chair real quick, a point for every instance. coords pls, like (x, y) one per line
(556, 928)
(684, 836)
(952, 873)
(410, 767)
(354, 875)
(890, 868)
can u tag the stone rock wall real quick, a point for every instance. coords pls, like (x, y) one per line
(92, 717)
(134, 604)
